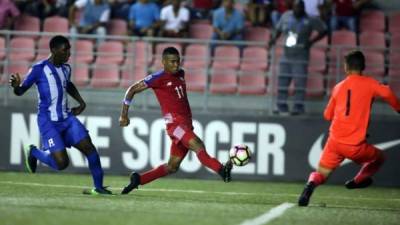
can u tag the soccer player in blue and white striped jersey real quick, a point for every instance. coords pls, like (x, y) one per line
(58, 126)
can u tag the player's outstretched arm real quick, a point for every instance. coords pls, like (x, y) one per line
(71, 90)
(132, 90)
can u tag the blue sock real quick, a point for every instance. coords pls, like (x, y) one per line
(44, 157)
(95, 169)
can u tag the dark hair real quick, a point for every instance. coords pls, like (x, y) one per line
(57, 41)
(170, 51)
(355, 60)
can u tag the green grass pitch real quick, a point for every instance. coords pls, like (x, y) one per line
(56, 198)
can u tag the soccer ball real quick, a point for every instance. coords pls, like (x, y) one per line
(240, 154)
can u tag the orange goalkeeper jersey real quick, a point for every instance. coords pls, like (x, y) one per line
(350, 105)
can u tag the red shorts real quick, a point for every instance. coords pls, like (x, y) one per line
(334, 153)
(180, 134)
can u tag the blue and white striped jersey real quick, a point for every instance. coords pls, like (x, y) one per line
(51, 82)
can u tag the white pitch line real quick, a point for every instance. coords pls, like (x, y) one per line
(269, 215)
(198, 191)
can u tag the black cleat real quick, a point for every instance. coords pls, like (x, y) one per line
(30, 160)
(351, 184)
(134, 183)
(306, 195)
(225, 171)
(97, 191)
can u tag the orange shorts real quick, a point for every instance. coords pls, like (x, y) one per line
(334, 153)
(180, 135)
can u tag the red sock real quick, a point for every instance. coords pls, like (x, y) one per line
(208, 161)
(153, 174)
(316, 178)
(369, 169)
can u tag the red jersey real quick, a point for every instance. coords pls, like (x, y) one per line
(170, 90)
(350, 105)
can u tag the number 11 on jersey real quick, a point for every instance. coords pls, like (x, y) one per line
(179, 91)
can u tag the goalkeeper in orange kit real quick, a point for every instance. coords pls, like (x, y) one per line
(349, 112)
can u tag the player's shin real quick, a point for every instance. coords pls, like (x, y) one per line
(44, 157)
(369, 169)
(316, 178)
(153, 174)
(95, 169)
(209, 161)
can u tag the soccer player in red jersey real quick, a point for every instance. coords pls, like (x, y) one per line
(349, 111)
(170, 89)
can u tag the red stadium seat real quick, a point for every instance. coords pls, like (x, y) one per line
(80, 74)
(83, 51)
(196, 56)
(43, 50)
(375, 65)
(202, 31)
(226, 57)
(159, 50)
(394, 60)
(196, 79)
(105, 76)
(394, 23)
(344, 38)
(140, 53)
(373, 41)
(317, 62)
(22, 48)
(27, 23)
(110, 52)
(14, 67)
(252, 82)
(117, 27)
(315, 85)
(131, 73)
(56, 24)
(394, 80)
(2, 48)
(223, 81)
(395, 42)
(372, 20)
(257, 34)
(254, 58)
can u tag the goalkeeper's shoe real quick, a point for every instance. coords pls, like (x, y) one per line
(134, 183)
(305, 196)
(30, 160)
(351, 184)
(225, 171)
(97, 191)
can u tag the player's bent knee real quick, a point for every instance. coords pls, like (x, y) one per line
(62, 164)
(172, 168)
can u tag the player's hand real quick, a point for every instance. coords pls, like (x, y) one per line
(15, 80)
(79, 109)
(124, 121)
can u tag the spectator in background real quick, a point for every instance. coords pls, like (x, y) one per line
(345, 13)
(279, 7)
(94, 18)
(42, 8)
(174, 20)
(259, 11)
(201, 9)
(312, 7)
(144, 18)
(228, 23)
(8, 13)
(120, 8)
(297, 28)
